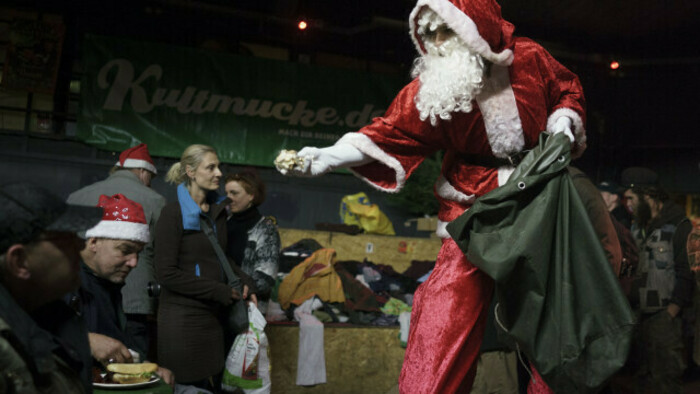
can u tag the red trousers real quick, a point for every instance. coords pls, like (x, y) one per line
(447, 326)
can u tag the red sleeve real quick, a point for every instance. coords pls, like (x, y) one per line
(565, 90)
(565, 97)
(398, 141)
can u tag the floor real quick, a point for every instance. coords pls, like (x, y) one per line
(691, 383)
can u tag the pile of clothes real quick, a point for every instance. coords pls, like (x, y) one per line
(354, 292)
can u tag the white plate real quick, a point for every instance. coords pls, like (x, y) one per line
(127, 385)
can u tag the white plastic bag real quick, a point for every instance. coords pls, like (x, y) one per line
(311, 361)
(263, 368)
(405, 324)
(247, 364)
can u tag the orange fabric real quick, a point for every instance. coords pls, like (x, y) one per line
(313, 276)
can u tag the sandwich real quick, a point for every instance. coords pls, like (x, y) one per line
(132, 373)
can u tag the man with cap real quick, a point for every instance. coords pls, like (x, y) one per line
(483, 96)
(43, 343)
(663, 284)
(131, 176)
(611, 194)
(111, 252)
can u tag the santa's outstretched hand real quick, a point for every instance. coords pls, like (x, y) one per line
(312, 161)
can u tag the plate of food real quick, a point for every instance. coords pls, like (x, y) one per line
(121, 376)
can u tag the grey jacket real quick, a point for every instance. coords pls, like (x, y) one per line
(135, 294)
(664, 275)
(262, 252)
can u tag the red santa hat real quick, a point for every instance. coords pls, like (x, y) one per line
(122, 219)
(137, 157)
(477, 22)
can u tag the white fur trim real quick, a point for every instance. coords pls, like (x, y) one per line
(500, 113)
(465, 28)
(504, 174)
(137, 163)
(579, 131)
(365, 145)
(117, 229)
(441, 230)
(444, 189)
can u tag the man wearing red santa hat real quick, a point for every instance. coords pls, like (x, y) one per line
(483, 96)
(111, 252)
(131, 176)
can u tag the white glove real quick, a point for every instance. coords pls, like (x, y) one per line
(318, 161)
(564, 125)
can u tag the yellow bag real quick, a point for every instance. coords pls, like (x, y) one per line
(356, 209)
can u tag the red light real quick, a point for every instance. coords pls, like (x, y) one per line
(614, 65)
(302, 25)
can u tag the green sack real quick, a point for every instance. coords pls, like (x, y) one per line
(558, 298)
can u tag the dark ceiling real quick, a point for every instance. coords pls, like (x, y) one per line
(639, 30)
(638, 115)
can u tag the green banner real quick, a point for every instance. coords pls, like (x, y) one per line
(247, 108)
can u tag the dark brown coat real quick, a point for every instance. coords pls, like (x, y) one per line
(599, 216)
(191, 340)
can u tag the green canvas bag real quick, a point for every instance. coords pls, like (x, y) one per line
(559, 301)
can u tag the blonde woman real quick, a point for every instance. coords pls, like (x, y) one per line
(191, 339)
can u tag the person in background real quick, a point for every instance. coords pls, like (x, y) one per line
(635, 179)
(43, 343)
(621, 218)
(192, 341)
(253, 240)
(110, 254)
(611, 194)
(600, 217)
(131, 176)
(663, 285)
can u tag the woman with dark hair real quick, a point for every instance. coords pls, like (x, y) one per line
(192, 340)
(253, 240)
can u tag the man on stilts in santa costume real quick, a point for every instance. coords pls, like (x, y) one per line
(483, 97)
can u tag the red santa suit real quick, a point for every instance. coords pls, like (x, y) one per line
(525, 92)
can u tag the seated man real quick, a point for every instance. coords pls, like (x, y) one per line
(43, 343)
(132, 176)
(111, 252)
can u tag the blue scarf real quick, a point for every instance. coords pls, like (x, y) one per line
(190, 209)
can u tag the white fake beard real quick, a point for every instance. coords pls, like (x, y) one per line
(450, 78)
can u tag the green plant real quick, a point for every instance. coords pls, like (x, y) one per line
(417, 195)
